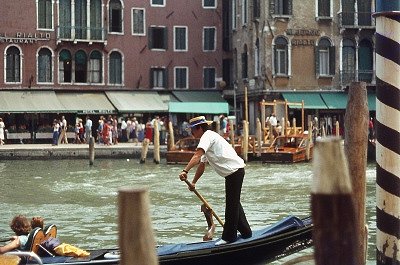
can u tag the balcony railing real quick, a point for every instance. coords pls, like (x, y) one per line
(346, 77)
(81, 34)
(356, 20)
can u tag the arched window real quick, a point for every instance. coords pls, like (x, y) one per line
(365, 61)
(13, 65)
(65, 67)
(95, 67)
(115, 16)
(45, 66)
(325, 58)
(244, 62)
(115, 68)
(348, 61)
(281, 60)
(80, 67)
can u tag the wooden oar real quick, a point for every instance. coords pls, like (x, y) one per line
(205, 203)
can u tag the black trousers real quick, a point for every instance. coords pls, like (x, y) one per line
(235, 218)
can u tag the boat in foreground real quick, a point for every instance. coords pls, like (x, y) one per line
(271, 243)
(182, 151)
(285, 149)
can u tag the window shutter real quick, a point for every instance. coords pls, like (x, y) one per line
(290, 7)
(332, 60)
(165, 73)
(272, 7)
(150, 38)
(166, 38)
(316, 54)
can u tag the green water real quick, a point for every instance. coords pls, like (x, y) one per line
(82, 199)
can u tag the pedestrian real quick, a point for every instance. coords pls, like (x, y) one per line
(56, 128)
(88, 129)
(371, 134)
(2, 131)
(221, 156)
(77, 135)
(114, 130)
(63, 136)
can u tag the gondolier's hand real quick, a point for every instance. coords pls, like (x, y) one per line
(183, 175)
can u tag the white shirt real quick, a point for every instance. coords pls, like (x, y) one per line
(220, 154)
(273, 120)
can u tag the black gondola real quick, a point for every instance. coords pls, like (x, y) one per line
(271, 243)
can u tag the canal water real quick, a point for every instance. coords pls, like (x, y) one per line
(82, 199)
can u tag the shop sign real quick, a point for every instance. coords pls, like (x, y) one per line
(303, 33)
(24, 38)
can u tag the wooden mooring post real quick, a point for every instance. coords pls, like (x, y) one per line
(91, 150)
(335, 235)
(136, 236)
(355, 147)
(387, 39)
(156, 143)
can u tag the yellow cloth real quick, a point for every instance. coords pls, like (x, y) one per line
(71, 251)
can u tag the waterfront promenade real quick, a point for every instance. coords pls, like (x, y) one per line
(78, 151)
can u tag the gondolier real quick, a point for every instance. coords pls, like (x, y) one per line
(223, 158)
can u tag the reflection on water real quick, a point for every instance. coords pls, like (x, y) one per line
(82, 199)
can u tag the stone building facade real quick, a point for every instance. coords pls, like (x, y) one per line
(285, 47)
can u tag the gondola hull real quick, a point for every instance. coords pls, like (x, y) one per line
(281, 239)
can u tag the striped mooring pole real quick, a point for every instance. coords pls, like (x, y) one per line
(388, 132)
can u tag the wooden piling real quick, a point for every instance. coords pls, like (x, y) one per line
(145, 148)
(259, 136)
(355, 146)
(91, 151)
(136, 237)
(156, 143)
(245, 143)
(335, 235)
(309, 142)
(232, 133)
(337, 129)
(171, 138)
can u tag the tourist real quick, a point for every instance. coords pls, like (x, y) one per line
(21, 227)
(88, 129)
(56, 128)
(114, 129)
(2, 131)
(221, 156)
(371, 134)
(63, 136)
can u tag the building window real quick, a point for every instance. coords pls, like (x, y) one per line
(365, 61)
(324, 8)
(209, 4)
(13, 65)
(45, 66)
(96, 31)
(281, 56)
(138, 21)
(95, 67)
(45, 14)
(180, 38)
(244, 63)
(115, 16)
(256, 8)
(157, 2)
(115, 68)
(280, 7)
(80, 67)
(65, 19)
(325, 58)
(209, 77)
(234, 15)
(257, 65)
(245, 10)
(80, 19)
(348, 61)
(158, 38)
(158, 78)
(65, 67)
(181, 77)
(209, 39)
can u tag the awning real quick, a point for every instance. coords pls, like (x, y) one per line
(311, 100)
(80, 102)
(198, 96)
(335, 100)
(199, 107)
(126, 101)
(29, 102)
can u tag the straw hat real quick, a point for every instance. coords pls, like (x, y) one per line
(198, 120)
